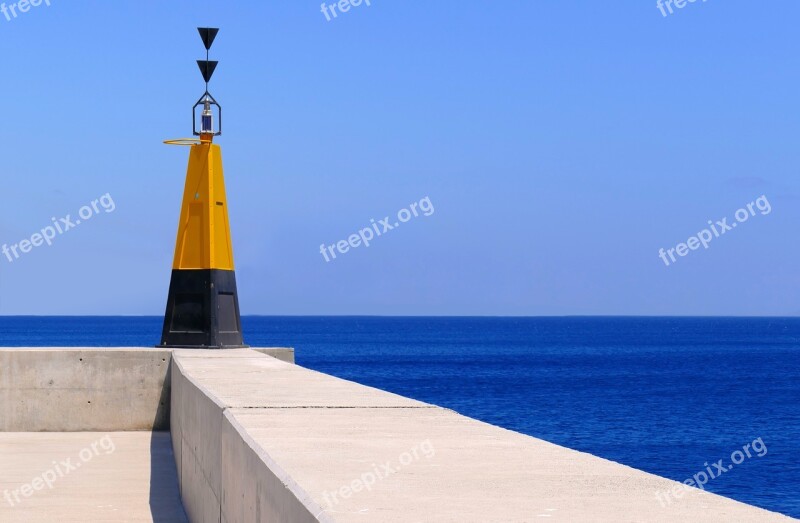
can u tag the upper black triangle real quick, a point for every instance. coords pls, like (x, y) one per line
(208, 34)
(207, 68)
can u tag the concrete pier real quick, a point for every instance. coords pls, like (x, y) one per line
(58, 476)
(258, 439)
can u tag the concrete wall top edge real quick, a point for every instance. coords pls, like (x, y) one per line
(265, 382)
(286, 479)
(177, 366)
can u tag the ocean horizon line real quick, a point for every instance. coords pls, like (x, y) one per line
(453, 316)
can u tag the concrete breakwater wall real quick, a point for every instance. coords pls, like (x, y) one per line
(258, 439)
(70, 389)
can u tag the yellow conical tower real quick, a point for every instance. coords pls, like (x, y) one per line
(203, 305)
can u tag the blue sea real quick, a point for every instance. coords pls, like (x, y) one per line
(670, 396)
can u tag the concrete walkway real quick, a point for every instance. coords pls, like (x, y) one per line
(256, 439)
(88, 477)
(349, 453)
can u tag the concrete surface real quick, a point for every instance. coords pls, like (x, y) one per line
(244, 379)
(101, 388)
(281, 353)
(96, 477)
(260, 440)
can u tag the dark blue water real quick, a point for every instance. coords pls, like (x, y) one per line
(666, 395)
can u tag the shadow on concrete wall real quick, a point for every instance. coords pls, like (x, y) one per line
(165, 497)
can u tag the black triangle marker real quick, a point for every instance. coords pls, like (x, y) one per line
(207, 68)
(208, 34)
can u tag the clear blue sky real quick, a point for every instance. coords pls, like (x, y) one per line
(562, 144)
